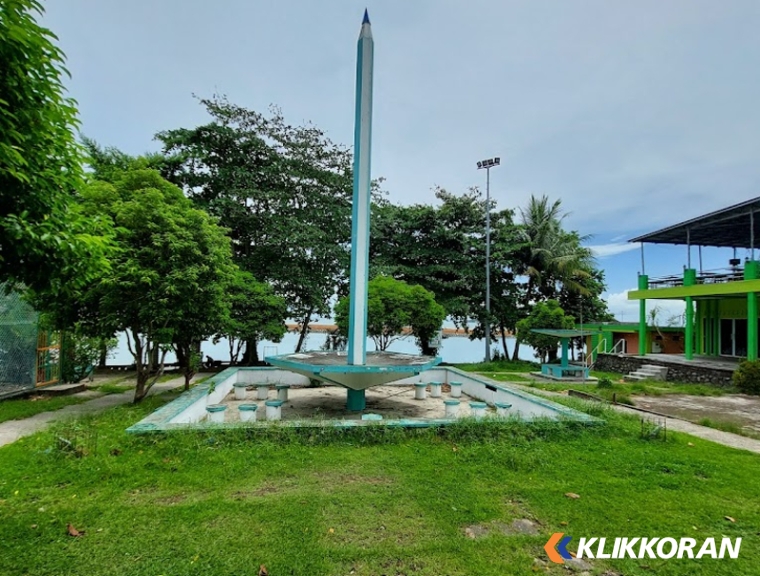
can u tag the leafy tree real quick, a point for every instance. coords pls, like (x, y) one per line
(80, 353)
(45, 243)
(167, 283)
(393, 306)
(284, 192)
(434, 247)
(586, 306)
(552, 259)
(107, 163)
(442, 248)
(545, 315)
(257, 313)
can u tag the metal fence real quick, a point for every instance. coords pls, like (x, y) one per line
(28, 357)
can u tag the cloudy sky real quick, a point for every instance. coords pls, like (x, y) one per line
(637, 114)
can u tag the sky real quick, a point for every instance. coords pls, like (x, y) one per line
(636, 114)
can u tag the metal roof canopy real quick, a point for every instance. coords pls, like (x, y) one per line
(732, 227)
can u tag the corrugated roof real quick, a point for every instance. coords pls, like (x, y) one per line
(729, 227)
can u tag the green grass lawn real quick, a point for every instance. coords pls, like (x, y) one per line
(366, 502)
(19, 408)
(624, 390)
(500, 366)
(521, 378)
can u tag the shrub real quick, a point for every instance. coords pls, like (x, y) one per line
(747, 377)
(604, 382)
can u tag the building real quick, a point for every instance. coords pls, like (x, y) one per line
(721, 316)
(624, 338)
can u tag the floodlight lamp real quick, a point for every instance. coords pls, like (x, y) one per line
(480, 164)
(497, 160)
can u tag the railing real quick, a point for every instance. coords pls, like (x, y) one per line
(600, 348)
(705, 277)
(618, 347)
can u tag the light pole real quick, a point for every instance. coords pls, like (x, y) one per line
(487, 165)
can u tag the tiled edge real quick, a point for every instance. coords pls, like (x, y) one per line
(159, 421)
(540, 400)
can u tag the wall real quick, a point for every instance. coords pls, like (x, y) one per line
(686, 372)
(671, 343)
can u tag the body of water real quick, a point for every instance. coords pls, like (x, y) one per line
(453, 350)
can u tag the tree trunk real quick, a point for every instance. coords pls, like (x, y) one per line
(426, 349)
(251, 353)
(504, 341)
(304, 330)
(142, 374)
(103, 354)
(246, 359)
(516, 351)
(182, 356)
(254, 355)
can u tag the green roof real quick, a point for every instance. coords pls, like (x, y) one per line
(562, 332)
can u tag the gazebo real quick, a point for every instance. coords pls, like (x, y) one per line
(564, 370)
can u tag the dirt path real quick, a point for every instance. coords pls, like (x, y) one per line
(12, 430)
(738, 404)
(739, 409)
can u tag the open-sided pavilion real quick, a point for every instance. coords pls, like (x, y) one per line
(721, 317)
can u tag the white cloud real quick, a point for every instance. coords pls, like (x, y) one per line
(628, 310)
(611, 249)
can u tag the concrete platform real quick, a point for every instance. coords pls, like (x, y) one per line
(329, 402)
(61, 389)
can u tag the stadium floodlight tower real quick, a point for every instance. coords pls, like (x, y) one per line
(487, 165)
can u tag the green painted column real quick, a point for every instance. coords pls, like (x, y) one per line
(610, 343)
(643, 285)
(688, 344)
(689, 279)
(594, 346)
(356, 400)
(716, 327)
(699, 347)
(751, 273)
(565, 349)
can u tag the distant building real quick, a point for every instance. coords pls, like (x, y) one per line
(623, 338)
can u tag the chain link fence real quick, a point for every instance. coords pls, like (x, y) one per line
(28, 357)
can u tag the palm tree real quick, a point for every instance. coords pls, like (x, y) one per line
(552, 257)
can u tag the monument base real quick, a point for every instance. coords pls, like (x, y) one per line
(356, 400)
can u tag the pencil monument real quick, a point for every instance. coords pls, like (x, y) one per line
(357, 370)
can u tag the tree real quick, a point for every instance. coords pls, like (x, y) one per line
(107, 163)
(586, 306)
(442, 248)
(544, 315)
(167, 283)
(45, 242)
(434, 247)
(552, 259)
(393, 306)
(284, 192)
(256, 313)
(80, 353)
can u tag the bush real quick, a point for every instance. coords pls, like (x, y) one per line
(747, 377)
(604, 382)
